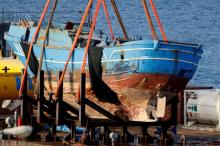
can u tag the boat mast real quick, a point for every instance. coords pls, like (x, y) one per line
(119, 18)
(153, 33)
(44, 42)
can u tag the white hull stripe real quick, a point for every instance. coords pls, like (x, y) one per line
(19, 48)
(63, 62)
(19, 54)
(22, 52)
(131, 59)
(149, 58)
(161, 49)
(118, 60)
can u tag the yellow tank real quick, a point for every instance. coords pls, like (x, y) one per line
(10, 79)
(10, 65)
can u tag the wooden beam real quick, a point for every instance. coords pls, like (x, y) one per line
(82, 114)
(59, 109)
(40, 96)
(103, 111)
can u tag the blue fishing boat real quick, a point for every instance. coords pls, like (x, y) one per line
(140, 64)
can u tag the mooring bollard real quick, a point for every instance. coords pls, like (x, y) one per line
(114, 137)
(15, 117)
(136, 140)
(183, 140)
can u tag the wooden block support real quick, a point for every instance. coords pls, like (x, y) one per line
(40, 96)
(161, 107)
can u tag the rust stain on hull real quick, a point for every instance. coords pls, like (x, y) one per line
(148, 81)
(133, 90)
(164, 82)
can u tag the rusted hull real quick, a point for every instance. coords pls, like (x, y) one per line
(136, 66)
(139, 64)
(132, 89)
(137, 81)
(147, 81)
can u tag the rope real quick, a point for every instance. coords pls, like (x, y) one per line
(44, 42)
(108, 19)
(88, 43)
(73, 45)
(119, 18)
(31, 46)
(90, 36)
(153, 33)
(158, 21)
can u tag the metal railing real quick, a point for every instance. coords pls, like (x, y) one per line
(12, 16)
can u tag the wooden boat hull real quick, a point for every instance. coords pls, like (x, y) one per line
(145, 64)
(147, 81)
(178, 60)
(140, 68)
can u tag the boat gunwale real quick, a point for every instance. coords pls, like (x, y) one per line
(119, 60)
